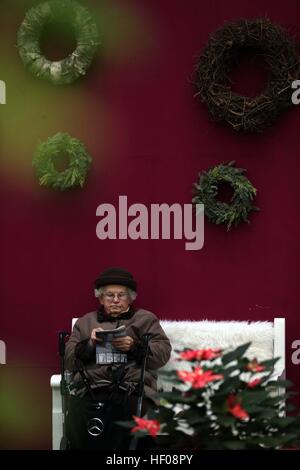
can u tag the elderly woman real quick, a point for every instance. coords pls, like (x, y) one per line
(113, 382)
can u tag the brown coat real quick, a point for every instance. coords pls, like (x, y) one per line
(137, 323)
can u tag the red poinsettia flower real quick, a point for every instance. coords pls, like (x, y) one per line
(199, 378)
(235, 408)
(150, 425)
(206, 377)
(185, 375)
(200, 354)
(253, 383)
(254, 366)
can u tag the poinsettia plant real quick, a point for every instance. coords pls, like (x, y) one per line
(221, 400)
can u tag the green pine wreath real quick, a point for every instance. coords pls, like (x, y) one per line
(84, 27)
(206, 192)
(212, 73)
(54, 147)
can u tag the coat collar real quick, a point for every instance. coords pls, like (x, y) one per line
(102, 316)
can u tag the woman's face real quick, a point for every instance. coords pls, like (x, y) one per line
(115, 299)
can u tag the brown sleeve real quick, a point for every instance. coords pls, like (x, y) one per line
(77, 347)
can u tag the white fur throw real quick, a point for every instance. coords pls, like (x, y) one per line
(219, 334)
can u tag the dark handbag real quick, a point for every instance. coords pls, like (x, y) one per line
(101, 415)
(100, 408)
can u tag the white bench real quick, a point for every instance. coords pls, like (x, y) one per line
(267, 341)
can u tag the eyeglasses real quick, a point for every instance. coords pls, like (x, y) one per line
(120, 295)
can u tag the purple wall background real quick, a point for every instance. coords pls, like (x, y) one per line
(149, 138)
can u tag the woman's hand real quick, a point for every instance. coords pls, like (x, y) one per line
(93, 338)
(124, 343)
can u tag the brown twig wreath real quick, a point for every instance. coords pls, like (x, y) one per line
(248, 114)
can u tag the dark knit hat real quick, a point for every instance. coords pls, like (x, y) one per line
(116, 276)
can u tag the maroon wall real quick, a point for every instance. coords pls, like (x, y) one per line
(149, 138)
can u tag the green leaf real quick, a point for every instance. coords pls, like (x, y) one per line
(236, 354)
(171, 396)
(281, 383)
(226, 420)
(126, 424)
(235, 445)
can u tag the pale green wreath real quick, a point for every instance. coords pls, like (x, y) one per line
(218, 212)
(79, 162)
(85, 29)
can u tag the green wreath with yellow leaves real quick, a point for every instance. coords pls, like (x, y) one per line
(54, 148)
